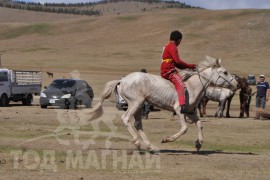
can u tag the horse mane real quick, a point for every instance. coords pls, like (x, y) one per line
(208, 62)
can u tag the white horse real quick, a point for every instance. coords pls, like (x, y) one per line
(217, 94)
(138, 87)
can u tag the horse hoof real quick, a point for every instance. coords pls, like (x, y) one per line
(198, 145)
(137, 144)
(154, 152)
(153, 149)
(164, 140)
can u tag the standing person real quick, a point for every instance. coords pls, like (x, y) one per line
(170, 62)
(262, 94)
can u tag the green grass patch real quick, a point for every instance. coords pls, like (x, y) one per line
(86, 21)
(40, 29)
(128, 18)
(186, 19)
(35, 49)
(242, 13)
(8, 148)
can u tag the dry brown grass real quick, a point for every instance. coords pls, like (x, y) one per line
(108, 47)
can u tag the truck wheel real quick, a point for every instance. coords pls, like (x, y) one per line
(4, 101)
(43, 106)
(27, 101)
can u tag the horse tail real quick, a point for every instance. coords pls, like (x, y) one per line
(109, 89)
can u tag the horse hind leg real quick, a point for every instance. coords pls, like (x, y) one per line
(229, 106)
(132, 109)
(139, 127)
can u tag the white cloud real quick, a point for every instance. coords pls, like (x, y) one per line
(230, 4)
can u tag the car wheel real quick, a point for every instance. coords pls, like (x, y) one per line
(70, 104)
(88, 104)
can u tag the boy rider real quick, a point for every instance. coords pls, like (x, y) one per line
(171, 61)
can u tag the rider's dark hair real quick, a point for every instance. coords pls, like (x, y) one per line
(143, 70)
(175, 36)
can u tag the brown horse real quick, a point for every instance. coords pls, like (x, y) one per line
(245, 98)
(50, 74)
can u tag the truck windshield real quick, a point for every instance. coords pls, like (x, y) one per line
(60, 84)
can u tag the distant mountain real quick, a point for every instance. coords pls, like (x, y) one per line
(110, 7)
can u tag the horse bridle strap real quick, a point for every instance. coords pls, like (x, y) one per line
(209, 80)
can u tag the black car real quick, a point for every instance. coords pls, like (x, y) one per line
(251, 79)
(67, 93)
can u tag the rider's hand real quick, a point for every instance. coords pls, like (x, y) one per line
(192, 66)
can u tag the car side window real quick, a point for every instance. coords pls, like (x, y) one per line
(88, 89)
(85, 85)
(79, 86)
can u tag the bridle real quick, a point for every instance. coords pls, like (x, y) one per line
(208, 81)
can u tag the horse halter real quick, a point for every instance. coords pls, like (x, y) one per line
(210, 80)
(228, 81)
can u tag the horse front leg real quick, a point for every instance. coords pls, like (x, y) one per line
(242, 106)
(200, 108)
(247, 107)
(198, 143)
(182, 131)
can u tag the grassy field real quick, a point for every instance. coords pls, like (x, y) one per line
(106, 48)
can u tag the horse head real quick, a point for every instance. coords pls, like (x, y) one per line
(218, 74)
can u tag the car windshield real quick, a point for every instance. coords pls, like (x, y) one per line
(251, 77)
(60, 84)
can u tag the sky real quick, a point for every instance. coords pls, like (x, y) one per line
(208, 4)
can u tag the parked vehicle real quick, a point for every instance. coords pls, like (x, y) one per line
(67, 93)
(19, 86)
(251, 79)
(121, 103)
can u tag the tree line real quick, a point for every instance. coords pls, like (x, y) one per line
(77, 8)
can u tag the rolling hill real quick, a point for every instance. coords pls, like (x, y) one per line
(114, 45)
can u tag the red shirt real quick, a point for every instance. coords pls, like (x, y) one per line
(171, 60)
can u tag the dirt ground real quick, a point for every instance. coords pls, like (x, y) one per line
(59, 144)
